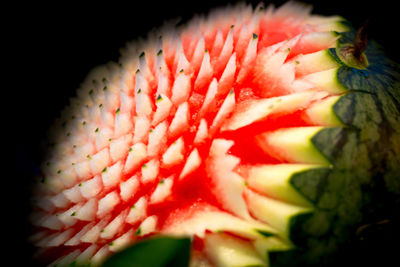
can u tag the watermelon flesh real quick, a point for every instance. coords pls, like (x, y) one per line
(194, 133)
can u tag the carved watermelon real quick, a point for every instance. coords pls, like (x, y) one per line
(255, 132)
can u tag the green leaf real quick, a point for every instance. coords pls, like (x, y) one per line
(159, 251)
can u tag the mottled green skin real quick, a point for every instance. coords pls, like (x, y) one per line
(363, 186)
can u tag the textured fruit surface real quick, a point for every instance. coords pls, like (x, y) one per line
(243, 130)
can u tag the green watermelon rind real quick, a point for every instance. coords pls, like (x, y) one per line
(363, 186)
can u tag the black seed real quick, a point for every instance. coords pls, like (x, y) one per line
(141, 55)
(255, 36)
(159, 52)
(117, 111)
(139, 91)
(73, 214)
(91, 92)
(97, 129)
(104, 170)
(138, 231)
(159, 98)
(59, 171)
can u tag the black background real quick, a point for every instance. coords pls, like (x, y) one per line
(52, 47)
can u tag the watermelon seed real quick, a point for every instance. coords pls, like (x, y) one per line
(206, 51)
(181, 71)
(232, 26)
(110, 139)
(255, 36)
(91, 92)
(159, 52)
(297, 62)
(138, 231)
(101, 105)
(117, 111)
(102, 231)
(72, 164)
(84, 123)
(288, 50)
(139, 91)
(104, 88)
(68, 134)
(133, 207)
(137, 71)
(104, 80)
(159, 98)
(111, 243)
(80, 184)
(74, 146)
(130, 149)
(144, 166)
(141, 54)
(97, 129)
(89, 157)
(73, 214)
(59, 171)
(161, 182)
(104, 170)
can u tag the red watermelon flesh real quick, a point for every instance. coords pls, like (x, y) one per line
(170, 140)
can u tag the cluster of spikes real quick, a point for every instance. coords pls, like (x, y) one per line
(171, 139)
